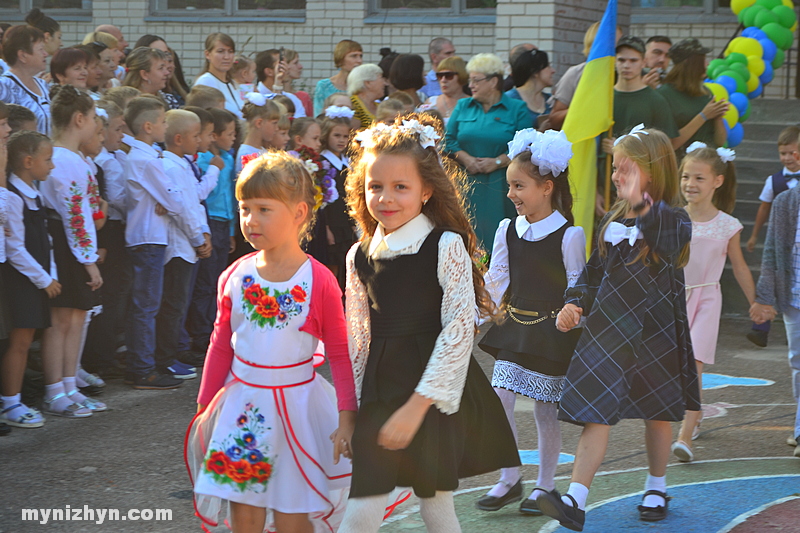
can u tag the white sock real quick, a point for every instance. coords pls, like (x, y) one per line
(79, 381)
(439, 513)
(548, 432)
(508, 476)
(72, 391)
(53, 390)
(655, 483)
(8, 401)
(364, 515)
(579, 493)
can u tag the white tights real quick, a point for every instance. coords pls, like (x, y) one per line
(364, 515)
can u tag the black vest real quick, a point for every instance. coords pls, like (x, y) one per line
(37, 241)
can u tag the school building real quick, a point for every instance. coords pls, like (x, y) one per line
(313, 27)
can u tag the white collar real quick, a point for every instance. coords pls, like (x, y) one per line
(542, 228)
(336, 161)
(146, 148)
(177, 159)
(413, 231)
(128, 139)
(786, 172)
(263, 89)
(24, 188)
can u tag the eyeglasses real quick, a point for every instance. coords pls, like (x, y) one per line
(473, 81)
(445, 75)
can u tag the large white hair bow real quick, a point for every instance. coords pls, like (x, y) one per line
(550, 151)
(256, 98)
(726, 154)
(336, 111)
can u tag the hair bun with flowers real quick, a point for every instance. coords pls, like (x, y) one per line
(336, 111)
(550, 151)
(726, 154)
(427, 135)
(256, 98)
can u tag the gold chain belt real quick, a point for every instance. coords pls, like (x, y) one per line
(523, 312)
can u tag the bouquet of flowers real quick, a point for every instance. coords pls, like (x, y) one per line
(323, 174)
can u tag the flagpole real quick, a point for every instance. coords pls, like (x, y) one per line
(608, 178)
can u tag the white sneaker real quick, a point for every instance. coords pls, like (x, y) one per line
(791, 441)
(682, 452)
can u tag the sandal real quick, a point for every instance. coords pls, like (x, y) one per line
(73, 410)
(30, 419)
(654, 514)
(89, 403)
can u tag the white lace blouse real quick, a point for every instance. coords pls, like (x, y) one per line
(573, 250)
(446, 372)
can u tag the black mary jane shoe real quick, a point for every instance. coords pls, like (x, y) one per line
(495, 503)
(654, 514)
(529, 506)
(571, 517)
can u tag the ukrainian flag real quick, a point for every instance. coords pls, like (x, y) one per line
(591, 113)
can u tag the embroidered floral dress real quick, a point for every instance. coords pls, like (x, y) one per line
(264, 438)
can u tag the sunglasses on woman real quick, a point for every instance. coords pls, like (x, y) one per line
(445, 75)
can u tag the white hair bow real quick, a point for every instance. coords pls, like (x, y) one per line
(256, 98)
(336, 111)
(427, 134)
(634, 132)
(726, 154)
(550, 151)
(100, 112)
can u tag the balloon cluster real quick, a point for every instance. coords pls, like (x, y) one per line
(750, 60)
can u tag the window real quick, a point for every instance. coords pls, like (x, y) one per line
(681, 11)
(434, 11)
(61, 10)
(286, 10)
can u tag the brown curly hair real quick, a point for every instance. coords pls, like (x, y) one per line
(446, 208)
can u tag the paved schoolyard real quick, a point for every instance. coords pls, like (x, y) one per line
(744, 479)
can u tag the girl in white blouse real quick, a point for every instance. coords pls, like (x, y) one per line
(73, 203)
(27, 273)
(427, 415)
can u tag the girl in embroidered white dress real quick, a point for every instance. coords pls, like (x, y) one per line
(708, 184)
(427, 413)
(262, 436)
(535, 258)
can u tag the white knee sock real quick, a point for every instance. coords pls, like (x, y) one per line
(364, 515)
(508, 476)
(439, 513)
(548, 432)
(579, 493)
(655, 483)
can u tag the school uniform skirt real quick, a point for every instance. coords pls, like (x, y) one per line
(30, 306)
(72, 275)
(5, 307)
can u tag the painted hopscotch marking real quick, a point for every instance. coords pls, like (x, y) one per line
(720, 381)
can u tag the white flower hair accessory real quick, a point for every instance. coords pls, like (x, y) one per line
(256, 98)
(100, 112)
(336, 111)
(427, 134)
(550, 151)
(726, 154)
(312, 167)
(368, 137)
(634, 132)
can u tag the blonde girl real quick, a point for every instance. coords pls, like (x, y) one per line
(708, 184)
(634, 357)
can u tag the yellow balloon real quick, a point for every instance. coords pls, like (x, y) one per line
(788, 3)
(752, 84)
(794, 27)
(748, 47)
(732, 46)
(719, 92)
(756, 66)
(731, 116)
(738, 5)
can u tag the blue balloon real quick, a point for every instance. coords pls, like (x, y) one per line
(754, 33)
(770, 49)
(735, 135)
(768, 74)
(727, 82)
(740, 101)
(757, 92)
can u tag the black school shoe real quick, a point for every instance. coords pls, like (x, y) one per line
(759, 338)
(494, 503)
(156, 381)
(191, 358)
(553, 506)
(654, 514)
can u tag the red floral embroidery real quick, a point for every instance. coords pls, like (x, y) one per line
(77, 222)
(299, 294)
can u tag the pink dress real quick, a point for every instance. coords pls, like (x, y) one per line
(709, 249)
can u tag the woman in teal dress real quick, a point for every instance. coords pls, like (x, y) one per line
(477, 136)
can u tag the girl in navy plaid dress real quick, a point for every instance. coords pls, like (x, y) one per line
(634, 358)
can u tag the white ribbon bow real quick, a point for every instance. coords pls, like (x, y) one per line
(100, 112)
(335, 111)
(726, 154)
(635, 132)
(616, 233)
(256, 99)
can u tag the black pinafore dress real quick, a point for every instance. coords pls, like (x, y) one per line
(532, 355)
(405, 301)
(30, 306)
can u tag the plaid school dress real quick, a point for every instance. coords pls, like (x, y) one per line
(634, 358)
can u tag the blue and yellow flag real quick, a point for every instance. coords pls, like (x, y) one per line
(591, 113)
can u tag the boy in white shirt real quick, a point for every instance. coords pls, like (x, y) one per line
(189, 237)
(146, 237)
